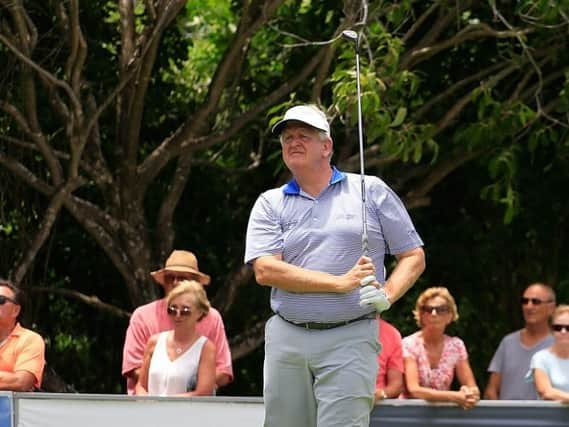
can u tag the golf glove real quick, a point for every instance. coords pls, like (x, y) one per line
(370, 295)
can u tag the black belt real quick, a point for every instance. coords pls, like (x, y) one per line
(322, 326)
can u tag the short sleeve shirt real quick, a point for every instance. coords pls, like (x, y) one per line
(556, 368)
(512, 361)
(152, 318)
(23, 350)
(324, 233)
(391, 354)
(440, 377)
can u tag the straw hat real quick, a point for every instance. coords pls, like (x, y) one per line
(181, 262)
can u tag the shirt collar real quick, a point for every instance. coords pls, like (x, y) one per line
(292, 187)
(16, 331)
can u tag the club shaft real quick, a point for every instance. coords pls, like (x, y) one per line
(365, 242)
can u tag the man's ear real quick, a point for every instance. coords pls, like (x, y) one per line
(328, 147)
(16, 310)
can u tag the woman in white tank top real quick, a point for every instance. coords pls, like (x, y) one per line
(180, 361)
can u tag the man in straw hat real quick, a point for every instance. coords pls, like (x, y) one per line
(152, 318)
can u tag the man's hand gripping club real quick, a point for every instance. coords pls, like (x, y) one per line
(372, 293)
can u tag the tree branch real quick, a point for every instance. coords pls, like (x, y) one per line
(471, 32)
(51, 213)
(243, 344)
(90, 300)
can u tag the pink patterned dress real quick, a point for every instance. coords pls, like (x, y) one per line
(440, 377)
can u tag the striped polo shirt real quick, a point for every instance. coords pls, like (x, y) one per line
(323, 233)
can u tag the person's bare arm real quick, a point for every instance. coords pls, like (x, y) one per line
(393, 386)
(17, 381)
(134, 374)
(222, 379)
(206, 372)
(546, 390)
(141, 387)
(466, 378)
(492, 391)
(417, 391)
(409, 267)
(271, 270)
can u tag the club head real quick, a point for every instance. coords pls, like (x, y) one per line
(352, 36)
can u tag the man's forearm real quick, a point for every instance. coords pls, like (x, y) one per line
(16, 381)
(272, 271)
(409, 267)
(222, 379)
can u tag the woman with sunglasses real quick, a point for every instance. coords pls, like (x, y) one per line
(432, 358)
(180, 362)
(550, 367)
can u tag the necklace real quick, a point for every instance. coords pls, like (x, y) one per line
(178, 350)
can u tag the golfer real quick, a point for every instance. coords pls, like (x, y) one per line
(304, 240)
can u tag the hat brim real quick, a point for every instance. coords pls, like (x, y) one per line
(159, 275)
(280, 125)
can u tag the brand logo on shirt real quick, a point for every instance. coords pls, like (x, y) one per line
(288, 225)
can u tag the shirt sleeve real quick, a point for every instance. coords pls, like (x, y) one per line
(407, 345)
(264, 234)
(397, 228)
(395, 360)
(31, 357)
(460, 349)
(222, 352)
(134, 344)
(497, 362)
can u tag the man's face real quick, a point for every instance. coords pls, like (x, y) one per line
(173, 278)
(537, 305)
(303, 147)
(9, 310)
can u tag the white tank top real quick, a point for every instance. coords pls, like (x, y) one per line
(167, 377)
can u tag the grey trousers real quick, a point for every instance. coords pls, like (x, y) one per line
(319, 378)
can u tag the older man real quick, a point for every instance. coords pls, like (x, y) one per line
(304, 241)
(151, 319)
(22, 351)
(512, 359)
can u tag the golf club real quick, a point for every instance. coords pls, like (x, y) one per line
(353, 37)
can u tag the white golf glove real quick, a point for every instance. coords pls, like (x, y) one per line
(370, 295)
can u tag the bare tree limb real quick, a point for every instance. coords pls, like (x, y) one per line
(90, 300)
(451, 90)
(243, 344)
(420, 21)
(238, 277)
(51, 213)
(174, 144)
(471, 32)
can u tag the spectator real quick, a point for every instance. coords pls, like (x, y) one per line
(512, 358)
(431, 358)
(22, 351)
(389, 381)
(550, 366)
(152, 318)
(180, 362)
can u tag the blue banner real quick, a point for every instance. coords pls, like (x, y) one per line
(5, 411)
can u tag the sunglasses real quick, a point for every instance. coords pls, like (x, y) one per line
(558, 327)
(534, 301)
(4, 299)
(175, 311)
(439, 309)
(173, 277)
